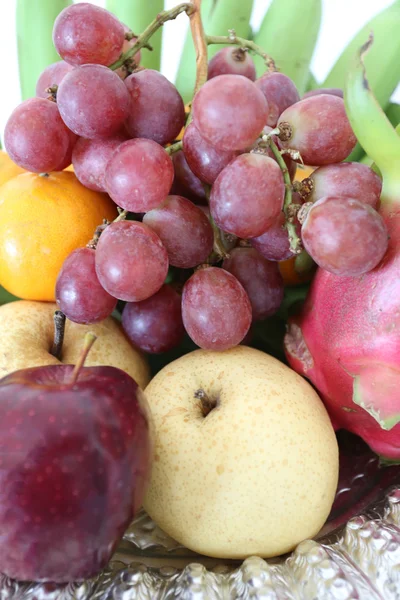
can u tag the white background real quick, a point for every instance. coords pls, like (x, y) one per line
(340, 21)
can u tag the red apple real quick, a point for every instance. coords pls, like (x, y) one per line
(74, 463)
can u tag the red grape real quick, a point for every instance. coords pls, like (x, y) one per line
(350, 179)
(260, 278)
(232, 61)
(123, 72)
(230, 111)
(157, 110)
(131, 262)
(78, 291)
(139, 175)
(321, 131)
(247, 197)
(73, 138)
(52, 76)
(185, 181)
(90, 158)
(35, 136)
(93, 101)
(84, 33)
(332, 91)
(184, 230)
(344, 236)
(274, 243)
(203, 158)
(155, 325)
(216, 310)
(280, 93)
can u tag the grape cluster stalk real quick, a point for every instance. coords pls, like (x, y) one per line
(208, 193)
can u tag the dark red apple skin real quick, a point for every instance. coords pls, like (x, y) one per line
(74, 464)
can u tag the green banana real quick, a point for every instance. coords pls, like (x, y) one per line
(137, 14)
(35, 20)
(218, 17)
(312, 83)
(229, 14)
(382, 62)
(289, 33)
(393, 113)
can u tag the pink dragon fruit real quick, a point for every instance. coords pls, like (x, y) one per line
(347, 338)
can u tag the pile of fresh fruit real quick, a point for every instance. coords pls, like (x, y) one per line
(181, 221)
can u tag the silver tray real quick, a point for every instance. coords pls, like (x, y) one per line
(355, 556)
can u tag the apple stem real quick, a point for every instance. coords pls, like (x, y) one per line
(59, 329)
(88, 342)
(206, 403)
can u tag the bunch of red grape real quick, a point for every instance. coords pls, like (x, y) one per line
(114, 125)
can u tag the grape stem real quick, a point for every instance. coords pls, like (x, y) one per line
(294, 240)
(100, 228)
(174, 148)
(232, 38)
(200, 44)
(143, 39)
(59, 328)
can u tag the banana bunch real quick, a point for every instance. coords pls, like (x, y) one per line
(35, 20)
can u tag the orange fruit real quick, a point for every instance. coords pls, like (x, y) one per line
(303, 171)
(290, 275)
(42, 219)
(8, 168)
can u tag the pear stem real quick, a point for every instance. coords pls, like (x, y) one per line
(207, 404)
(88, 342)
(59, 329)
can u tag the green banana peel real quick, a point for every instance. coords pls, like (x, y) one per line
(370, 124)
(382, 62)
(137, 14)
(288, 33)
(35, 20)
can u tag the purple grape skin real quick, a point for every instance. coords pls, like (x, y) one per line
(131, 261)
(184, 230)
(93, 101)
(186, 183)
(230, 112)
(35, 136)
(155, 325)
(333, 91)
(203, 158)
(247, 197)
(321, 131)
(350, 179)
(344, 236)
(90, 158)
(274, 243)
(139, 175)
(84, 33)
(280, 93)
(260, 278)
(157, 110)
(51, 76)
(232, 61)
(79, 293)
(216, 310)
